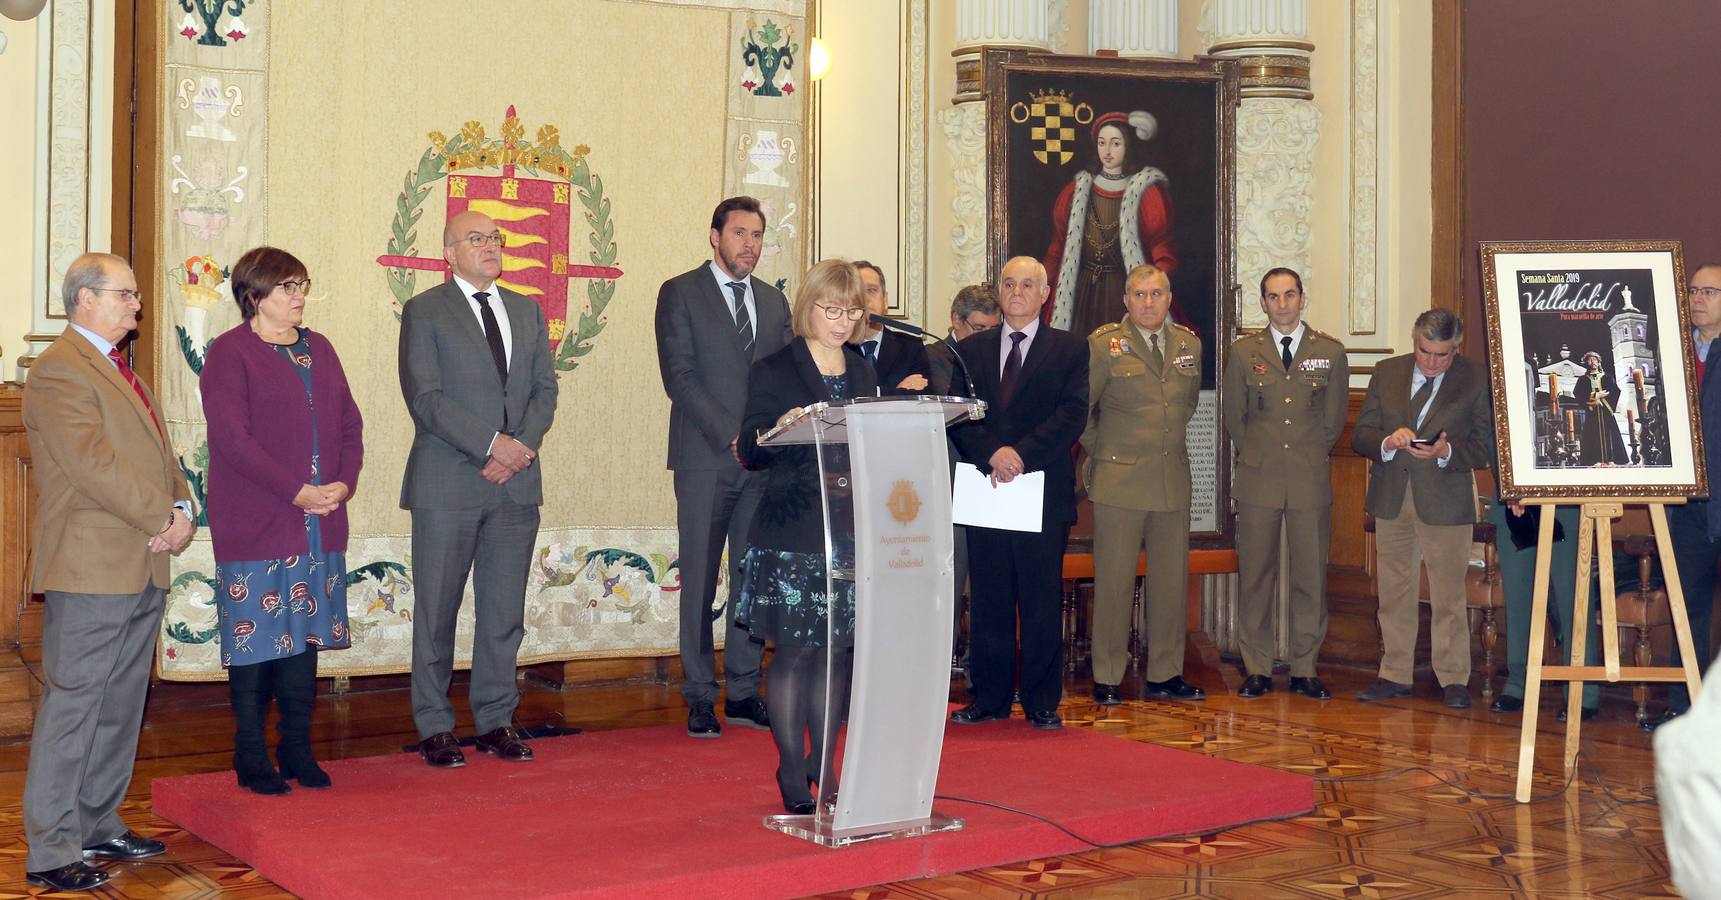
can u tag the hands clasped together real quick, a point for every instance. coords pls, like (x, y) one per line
(175, 536)
(508, 458)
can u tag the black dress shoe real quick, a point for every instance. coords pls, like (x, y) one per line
(1045, 721)
(442, 751)
(1587, 713)
(1254, 686)
(748, 713)
(1310, 687)
(702, 721)
(972, 714)
(1506, 703)
(1174, 688)
(1106, 694)
(1382, 690)
(505, 743)
(73, 876)
(1653, 723)
(1456, 696)
(130, 845)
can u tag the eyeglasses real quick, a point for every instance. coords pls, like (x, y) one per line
(978, 327)
(1708, 293)
(480, 241)
(854, 313)
(300, 287)
(131, 296)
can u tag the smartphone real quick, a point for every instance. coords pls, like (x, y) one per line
(1422, 443)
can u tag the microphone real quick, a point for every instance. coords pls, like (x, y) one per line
(923, 334)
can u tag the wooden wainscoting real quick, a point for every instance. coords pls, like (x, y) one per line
(1353, 635)
(20, 620)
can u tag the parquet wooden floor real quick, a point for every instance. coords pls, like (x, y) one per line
(1418, 806)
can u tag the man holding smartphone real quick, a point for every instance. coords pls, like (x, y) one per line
(1426, 423)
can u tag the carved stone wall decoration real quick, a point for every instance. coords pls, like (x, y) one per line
(965, 132)
(1365, 165)
(911, 260)
(1275, 181)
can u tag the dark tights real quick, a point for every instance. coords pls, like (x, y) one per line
(801, 705)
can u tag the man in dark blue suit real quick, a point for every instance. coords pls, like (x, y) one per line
(1034, 379)
(1696, 524)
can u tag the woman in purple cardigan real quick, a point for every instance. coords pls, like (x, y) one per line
(285, 446)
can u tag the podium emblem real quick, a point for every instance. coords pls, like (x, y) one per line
(904, 502)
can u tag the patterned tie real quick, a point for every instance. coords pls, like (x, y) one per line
(743, 322)
(131, 379)
(1419, 403)
(1285, 351)
(492, 334)
(1154, 351)
(1012, 366)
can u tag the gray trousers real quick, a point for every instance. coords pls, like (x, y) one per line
(96, 653)
(711, 507)
(495, 544)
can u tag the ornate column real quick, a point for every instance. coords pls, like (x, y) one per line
(981, 24)
(1276, 133)
(1134, 28)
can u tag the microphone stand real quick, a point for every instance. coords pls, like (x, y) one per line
(923, 334)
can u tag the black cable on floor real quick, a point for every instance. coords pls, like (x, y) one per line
(1583, 756)
(1097, 845)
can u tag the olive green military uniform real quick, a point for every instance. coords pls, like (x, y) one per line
(1283, 425)
(1139, 406)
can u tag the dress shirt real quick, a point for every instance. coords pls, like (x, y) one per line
(1004, 342)
(1296, 337)
(1416, 380)
(103, 347)
(494, 299)
(723, 281)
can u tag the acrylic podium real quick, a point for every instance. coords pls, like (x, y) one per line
(886, 500)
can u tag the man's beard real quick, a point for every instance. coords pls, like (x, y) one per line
(734, 266)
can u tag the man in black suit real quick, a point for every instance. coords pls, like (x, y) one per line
(1034, 379)
(712, 323)
(899, 360)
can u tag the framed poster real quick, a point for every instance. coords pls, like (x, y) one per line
(1096, 165)
(1593, 376)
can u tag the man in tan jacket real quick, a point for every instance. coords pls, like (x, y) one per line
(1144, 379)
(1286, 389)
(111, 506)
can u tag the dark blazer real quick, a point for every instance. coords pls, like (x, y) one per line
(1463, 409)
(699, 355)
(1044, 418)
(1709, 416)
(790, 516)
(942, 370)
(899, 356)
(260, 446)
(458, 403)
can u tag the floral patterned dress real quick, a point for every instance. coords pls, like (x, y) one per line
(276, 608)
(783, 596)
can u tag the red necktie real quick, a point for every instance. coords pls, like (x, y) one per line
(131, 379)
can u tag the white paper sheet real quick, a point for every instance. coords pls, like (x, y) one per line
(1016, 506)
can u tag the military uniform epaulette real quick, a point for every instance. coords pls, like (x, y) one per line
(1321, 335)
(1183, 328)
(1107, 328)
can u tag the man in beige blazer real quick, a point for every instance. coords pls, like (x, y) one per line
(1144, 380)
(1426, 423)
(111, 506)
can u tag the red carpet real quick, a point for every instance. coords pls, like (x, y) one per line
(649, 813)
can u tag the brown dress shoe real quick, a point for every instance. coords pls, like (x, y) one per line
(442, 751)
(505, 743)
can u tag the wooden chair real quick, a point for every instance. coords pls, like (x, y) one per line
(1643, 612)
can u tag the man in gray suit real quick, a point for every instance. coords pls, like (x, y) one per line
(1427, 421)
(712, 323)
(111, 506)
(475, 370)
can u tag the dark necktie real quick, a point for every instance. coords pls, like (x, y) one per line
(131, 379)
(1012, 366)
(1419, 403)
(1285, 352)
(1155, 353)
(492, 334)
(743, 322)
(869, 349)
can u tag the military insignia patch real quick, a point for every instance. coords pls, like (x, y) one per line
(1123, 344)
(1315, 365)
(1259, 368)
(1186, 361)
(1051, 119)
(1115, 347)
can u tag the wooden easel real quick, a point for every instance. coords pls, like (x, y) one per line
(1595, 539)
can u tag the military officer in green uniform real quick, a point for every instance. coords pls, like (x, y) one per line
(1144, 378)
(1285, 392)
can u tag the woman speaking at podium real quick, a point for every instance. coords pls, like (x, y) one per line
(782, 593)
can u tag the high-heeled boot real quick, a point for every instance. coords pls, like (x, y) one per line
(295, 697)
(248, 694)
